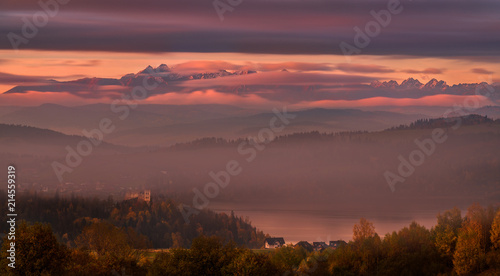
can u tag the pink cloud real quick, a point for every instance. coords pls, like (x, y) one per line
(211, 97)
(36, 98)
(72, 62)
(300, 66)
(434, 100)
(481, 71)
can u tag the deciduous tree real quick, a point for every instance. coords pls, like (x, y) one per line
(495, 231)
(37, 252)
(363, 230)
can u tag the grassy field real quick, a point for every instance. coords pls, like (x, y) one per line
(264, 251)
(151, 253)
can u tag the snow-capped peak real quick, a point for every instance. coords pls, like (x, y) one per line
(411, 83)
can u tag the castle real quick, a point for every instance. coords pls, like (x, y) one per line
(142, 195)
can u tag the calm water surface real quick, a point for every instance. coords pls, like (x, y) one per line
(321, 225)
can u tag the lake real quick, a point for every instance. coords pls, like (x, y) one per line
(320, 224)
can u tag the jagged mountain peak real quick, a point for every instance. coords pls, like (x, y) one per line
(385, 84)
(146, 70)
(411, 83)
(434, 83)
(162, 68)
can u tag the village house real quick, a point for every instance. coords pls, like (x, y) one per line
(336, 244)
(304, 244)
(274, 243)
(319, 246)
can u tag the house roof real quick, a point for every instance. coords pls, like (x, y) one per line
(304, 244)
(338, 242)
(275, 241)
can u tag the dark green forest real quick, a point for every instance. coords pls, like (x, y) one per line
(158, 224)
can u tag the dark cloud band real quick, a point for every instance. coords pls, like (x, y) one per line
(424, 28)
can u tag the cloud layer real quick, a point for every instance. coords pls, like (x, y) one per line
(423, 28)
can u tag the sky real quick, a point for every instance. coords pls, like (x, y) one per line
(456, 41)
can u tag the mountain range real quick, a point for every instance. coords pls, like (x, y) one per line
(163, 125)
(163, 75)
(433, 84)
(282, 85)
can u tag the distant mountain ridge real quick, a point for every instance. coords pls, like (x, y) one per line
(161, 74)
(433, 84)
(283, 171)
(22, 139)
(170, 80)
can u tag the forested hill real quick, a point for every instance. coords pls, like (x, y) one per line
(159, 224)
(311, 136)
(22, 139)
(468, 120)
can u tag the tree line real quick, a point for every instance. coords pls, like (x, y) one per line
(472, 119)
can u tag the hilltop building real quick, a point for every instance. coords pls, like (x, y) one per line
(144, 195)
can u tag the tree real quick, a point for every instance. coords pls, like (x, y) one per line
(316, 263)
(207, 256)
(495, 231)
(175, 262)
(364, 230)
(482, 219)
(369, 252)
(466, 259)
(177, 240)
(411, 251)
(287, 258)
(445, 233)
(37, 252)
(103, 238)
(110, 247)
(343, 261)
(249, 263)
(474, 240)
(137, 241)
(360, 257)
(207, 253)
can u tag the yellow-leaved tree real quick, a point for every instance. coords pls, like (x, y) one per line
(495, 231)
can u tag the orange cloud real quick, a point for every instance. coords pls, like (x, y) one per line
(425, 71)
(363, 68)
(205, 66)
(32, 98)
(210, 97)
(481, 71)
(299, 66)
(212, 66)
